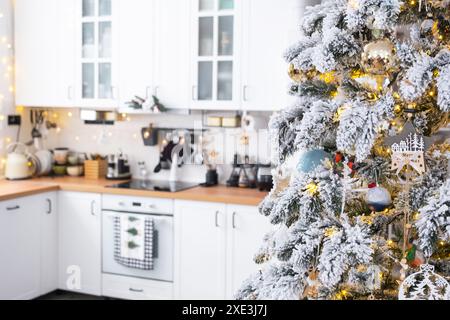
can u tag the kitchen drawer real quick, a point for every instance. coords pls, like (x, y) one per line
(115, 286)
(137, 204)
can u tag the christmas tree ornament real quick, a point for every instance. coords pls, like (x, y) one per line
(310, 160)
(298, 75)
(424, 285)
(379, 57)
(398, 272)
(295, 74)
(378, 199)
(312, 286)
(373, 82)
(409, 153)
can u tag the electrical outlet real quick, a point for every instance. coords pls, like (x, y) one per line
(14, 120)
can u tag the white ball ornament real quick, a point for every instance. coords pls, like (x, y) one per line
(378, 199)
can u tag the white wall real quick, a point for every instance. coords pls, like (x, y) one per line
(6, 77)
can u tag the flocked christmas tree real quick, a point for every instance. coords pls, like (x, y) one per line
(366, 212)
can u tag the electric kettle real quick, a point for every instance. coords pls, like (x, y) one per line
(20, 164)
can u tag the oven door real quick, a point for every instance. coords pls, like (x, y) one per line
(163, 248)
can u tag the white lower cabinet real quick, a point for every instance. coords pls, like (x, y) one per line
(22, 224)
(79, 242)
(49, 242)
(200, 238)
(215, 244)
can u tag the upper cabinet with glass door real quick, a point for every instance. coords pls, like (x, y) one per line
(216, 32)
(96, 85)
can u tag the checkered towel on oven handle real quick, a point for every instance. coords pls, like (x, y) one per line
(147, 262)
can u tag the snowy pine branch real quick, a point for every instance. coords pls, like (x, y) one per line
(434, 220)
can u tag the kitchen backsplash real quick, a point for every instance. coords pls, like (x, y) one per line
(125, 136)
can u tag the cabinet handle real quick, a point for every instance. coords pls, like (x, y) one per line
(155, 91)
(147, 90)
(194, 93)
(233, 220)
(217, 219)
(92, 208)
(244, 93)
(13, 208)
(69, 93)
(136, 290)
(114, 92)
(50, 209)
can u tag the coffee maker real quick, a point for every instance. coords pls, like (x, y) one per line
(118, 167)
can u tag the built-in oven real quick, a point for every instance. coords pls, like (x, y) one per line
(161, 212)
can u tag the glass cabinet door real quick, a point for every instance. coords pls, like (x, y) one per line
(96, 49)
(215, 54)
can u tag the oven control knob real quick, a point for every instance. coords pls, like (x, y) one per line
(151, 206)
(122, 204)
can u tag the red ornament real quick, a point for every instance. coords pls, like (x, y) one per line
(338, 157)
(372, 185)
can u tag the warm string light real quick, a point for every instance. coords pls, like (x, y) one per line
(8, 72)
(342, 295)
(312, 188)
(329, 232)
(328, 77)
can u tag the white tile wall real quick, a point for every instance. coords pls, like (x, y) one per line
(126, 136)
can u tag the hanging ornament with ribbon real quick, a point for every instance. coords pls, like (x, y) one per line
(408, 154)
(424, 285)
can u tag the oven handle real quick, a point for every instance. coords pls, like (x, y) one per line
(136, 290)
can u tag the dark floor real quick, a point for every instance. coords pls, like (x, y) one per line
(65, 295)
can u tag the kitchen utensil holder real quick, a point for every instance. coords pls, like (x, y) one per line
(95, 169)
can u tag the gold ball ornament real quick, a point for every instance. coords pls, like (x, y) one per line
(298, 75)
(295, 74)
(379, 57)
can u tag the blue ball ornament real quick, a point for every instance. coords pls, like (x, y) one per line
(309, 160)
(378, 199)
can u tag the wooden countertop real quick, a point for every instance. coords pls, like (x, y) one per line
(222, 194)
(16, 189)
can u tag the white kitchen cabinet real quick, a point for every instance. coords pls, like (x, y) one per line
(136, 52)
(45, 52)
(200, 237)
(19, 249)
(214, 248)
(216, 54)
(97, 46)
(172, 60)
(48, 208)
(79, 242)
(267, 34)
(246, 229)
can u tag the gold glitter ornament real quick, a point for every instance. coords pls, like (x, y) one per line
(379, 57)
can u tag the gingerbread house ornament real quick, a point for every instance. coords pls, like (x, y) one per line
(408, 154)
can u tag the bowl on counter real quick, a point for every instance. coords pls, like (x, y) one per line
(59, 170)
(75, 171)
(72, 159)
(60, 155)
